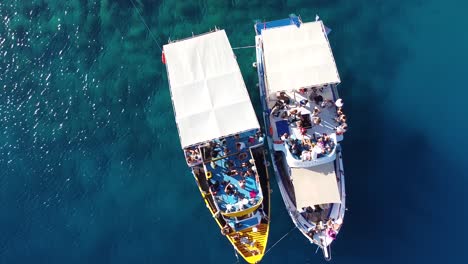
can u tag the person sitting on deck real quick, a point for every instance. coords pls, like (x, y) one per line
(306, 155)
(341, 119)
(214, 187)
(232, 172)
(317, 98)
(294, 115)
(316, 111)
(327, 103)
(305, 120)
(242, 184)
(341, 129)
(282, 96)
(229, 189)
(226, 229)
(249, 172)
(240, 146)
(295, 150)
(229, 164)
(339, 111)
(303, 102)
(317, 120)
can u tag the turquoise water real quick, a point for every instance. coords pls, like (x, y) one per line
(92, 169)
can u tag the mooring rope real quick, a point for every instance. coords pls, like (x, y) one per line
(244, 47)
(285, 235)
(237, 256)
(143, 20)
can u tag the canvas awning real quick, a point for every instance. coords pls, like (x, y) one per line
(297, 57)
(315, 185)
(208, 92)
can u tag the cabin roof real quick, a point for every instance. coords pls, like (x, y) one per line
(207, 89)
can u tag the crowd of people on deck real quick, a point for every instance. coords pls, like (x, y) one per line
(192, 156)
(309, 149)
(236, 165)
(341, 118)
(283, 110)
(320, 231)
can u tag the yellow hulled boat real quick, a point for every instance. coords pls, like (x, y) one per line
(221, 138)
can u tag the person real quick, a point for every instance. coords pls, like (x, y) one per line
(229, 165)
(303, 90)
(282, 96)
(316, 111)
(285, 137)
(232, 172)
(341, 129)
(226, 229)
(236, 137)
(293, 115)
(305, 155)
(303, 102)
(213, 165)
(339, 111)
(303, 130)
(240, 146)
(326, 138)
(229, 189)
(295, 149)
(248, 173)
(341, 119)
(190, 160)
(327, 103)
(339, 103)
(320, 143)
(242, 184)
(318, 99)
(317, 120)
(275, 111)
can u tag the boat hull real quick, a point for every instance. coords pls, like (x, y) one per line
(281, 169)
(249, 243)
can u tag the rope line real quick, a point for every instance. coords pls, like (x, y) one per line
(237, 256)
(147, 27)
(280, 240)
(244, 47)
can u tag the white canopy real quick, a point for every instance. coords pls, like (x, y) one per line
(315, 185)
(208, 93)
(297, 57)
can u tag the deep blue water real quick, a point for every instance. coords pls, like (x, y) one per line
(91, 167)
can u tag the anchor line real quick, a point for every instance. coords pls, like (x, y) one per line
(147, 27)
(237, 256)
(285, 235)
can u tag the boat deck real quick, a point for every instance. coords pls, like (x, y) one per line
(328, 114)
(250, 243)
(230, 165)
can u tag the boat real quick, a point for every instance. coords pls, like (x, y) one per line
(221, 138)
(298, 82)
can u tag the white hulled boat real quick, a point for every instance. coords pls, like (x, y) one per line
(219, 133)
(297, 80)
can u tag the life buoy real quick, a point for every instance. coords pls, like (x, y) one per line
(242, 156)
(209, 175)
(271, 131)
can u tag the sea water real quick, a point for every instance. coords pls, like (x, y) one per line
(91, 169)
